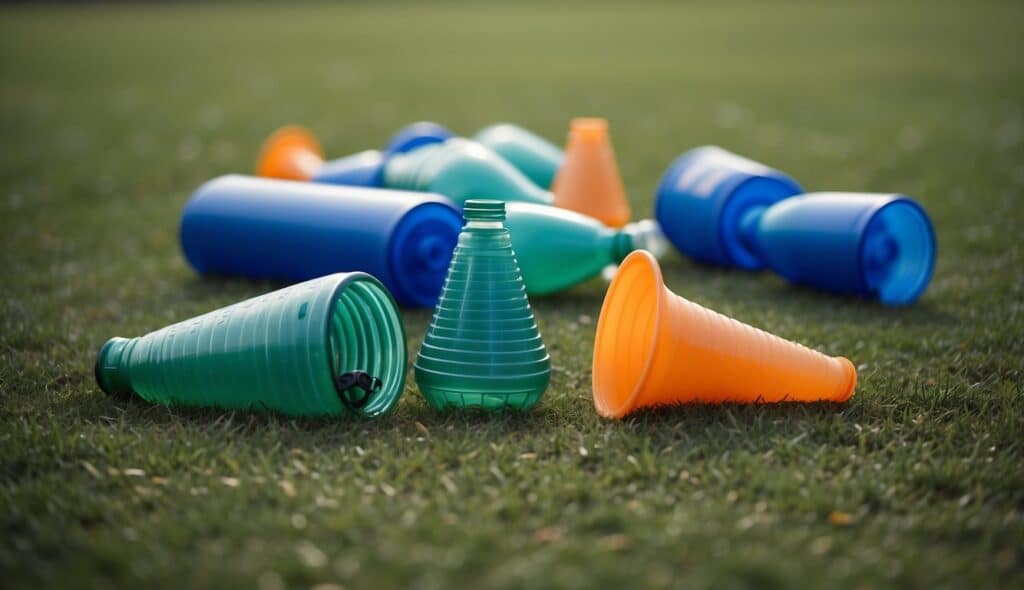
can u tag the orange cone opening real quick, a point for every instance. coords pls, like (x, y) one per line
(655, 348)
(626, 336)
(589, 181)
(291, 153)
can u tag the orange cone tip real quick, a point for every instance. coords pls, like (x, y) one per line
(290, 153)
(589, 181)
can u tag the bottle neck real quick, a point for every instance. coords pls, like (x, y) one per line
(404, 170)
(646, 234)
(621, 244)
(112, 367)
(749, 222)
(475, 224)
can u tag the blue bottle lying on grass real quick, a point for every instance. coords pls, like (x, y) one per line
(292, 231)
(720, 208)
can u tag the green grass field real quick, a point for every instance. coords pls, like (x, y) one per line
(111, 117)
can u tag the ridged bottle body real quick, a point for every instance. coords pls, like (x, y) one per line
(461, 169)
(483, 347)
(279, 351)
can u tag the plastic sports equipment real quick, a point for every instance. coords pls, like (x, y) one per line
(655, 348)
(461, 169)
(290, 153)
(264, 228)
(589, 180)
(724, 209)
(326, 347)
(483, 347)
(537, 158)
(293, 153)
(557, 248)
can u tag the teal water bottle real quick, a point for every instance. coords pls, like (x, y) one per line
(482, 347)
(461, 169)
(558, 248)
(534, 156)
(457, 168)
(326, 347)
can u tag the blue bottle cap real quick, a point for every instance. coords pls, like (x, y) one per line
(421, 248)
(362, 169)
(415, 135)
(897, 252)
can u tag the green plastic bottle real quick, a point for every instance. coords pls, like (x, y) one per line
(534, 156)
(324, 347)
(482, 347)
(558, 248)
(461, 169)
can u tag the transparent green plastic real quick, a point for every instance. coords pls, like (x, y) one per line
(483, 348)
(558, 248)
(282, 351)
(534, 156)
(461, 169)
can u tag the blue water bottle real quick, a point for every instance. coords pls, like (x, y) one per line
(721, 208)
(292, 231)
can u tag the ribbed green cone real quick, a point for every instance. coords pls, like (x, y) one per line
(483, 347)
(300, 351)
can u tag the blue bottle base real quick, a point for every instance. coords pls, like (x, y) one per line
(897, 252)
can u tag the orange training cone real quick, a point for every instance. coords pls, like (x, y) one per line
(588, 181)
(291, 153)
(655, 348)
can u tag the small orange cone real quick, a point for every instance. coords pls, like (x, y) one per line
(655, 348)
(588, 181)
(291, 153)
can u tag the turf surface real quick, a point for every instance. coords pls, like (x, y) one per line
(110, 117)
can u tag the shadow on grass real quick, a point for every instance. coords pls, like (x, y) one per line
(717, 428)
(712, 424)
(736, 424)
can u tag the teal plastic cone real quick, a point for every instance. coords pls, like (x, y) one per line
(483, 347)
(325, 347)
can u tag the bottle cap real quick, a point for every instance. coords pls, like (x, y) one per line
(484, 210)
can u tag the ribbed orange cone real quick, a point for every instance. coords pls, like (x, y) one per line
(291, 153)
(588, 181)
(655, 348)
